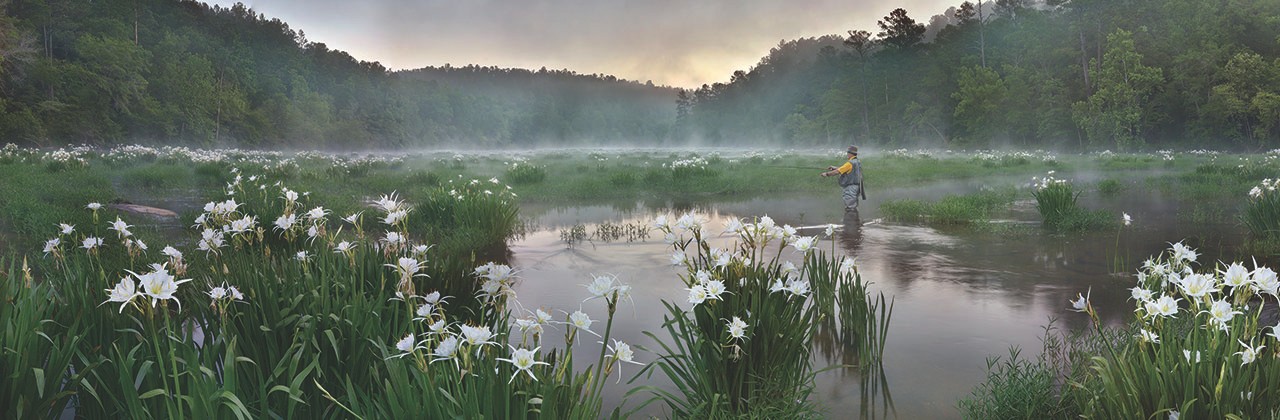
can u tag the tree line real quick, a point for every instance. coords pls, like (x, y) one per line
(1064, 74)
(183, 72)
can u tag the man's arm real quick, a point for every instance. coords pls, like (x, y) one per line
(843, 169)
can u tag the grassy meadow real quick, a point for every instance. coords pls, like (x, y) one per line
(312, 285)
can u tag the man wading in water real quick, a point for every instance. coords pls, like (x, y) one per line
(850, 179)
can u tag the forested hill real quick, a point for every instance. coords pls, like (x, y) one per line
(183, 72)
(1063, 74)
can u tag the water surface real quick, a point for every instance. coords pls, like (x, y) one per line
(960, 295)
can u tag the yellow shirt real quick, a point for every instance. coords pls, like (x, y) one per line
(844, 169)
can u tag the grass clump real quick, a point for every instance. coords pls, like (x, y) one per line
(1110, 187)
(968, 209)
(1056, 200)
(524, 173)
(1015, 388)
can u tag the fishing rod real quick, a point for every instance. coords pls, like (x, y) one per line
(808, 168)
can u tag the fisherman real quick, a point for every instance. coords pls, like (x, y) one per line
(850, 179)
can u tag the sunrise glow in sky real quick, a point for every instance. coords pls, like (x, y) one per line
(676, 43)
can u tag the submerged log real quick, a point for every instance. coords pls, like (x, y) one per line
(145, 210)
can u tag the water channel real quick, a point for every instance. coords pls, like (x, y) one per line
(960, 295)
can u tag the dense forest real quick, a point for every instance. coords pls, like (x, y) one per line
(1061, 74)
(183, 72)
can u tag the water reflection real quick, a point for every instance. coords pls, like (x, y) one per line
(851, 234)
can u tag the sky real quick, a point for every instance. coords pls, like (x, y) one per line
(670, 42)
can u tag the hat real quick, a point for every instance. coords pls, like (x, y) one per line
(853, 150)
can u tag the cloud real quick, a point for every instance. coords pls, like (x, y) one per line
(679, 43)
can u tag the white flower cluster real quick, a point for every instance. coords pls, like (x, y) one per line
(1267, 187)
(1014, 156)
(695, 162)
(1046, 182)
(461, 189)
(69, 157)
(1221, 295)
(445, 340)
(157, 285)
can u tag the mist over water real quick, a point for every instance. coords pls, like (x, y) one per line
(960, 295)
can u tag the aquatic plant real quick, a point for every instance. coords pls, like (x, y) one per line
(523, 173)
(967, 209)
(1198, 346)
(742, 348)
(296, 318)
(1262, 212)
(1016, 388)
(1055, 198)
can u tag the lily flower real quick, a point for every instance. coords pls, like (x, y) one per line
(697, 294)
(1165, 306)
(343, 247)
(447, 349)
(1140, 294)
(51, 246)
(714, 288)
(124, 292)
(661, 223)
(733, 226)
(317, 213)
(91, 242)
(406, 346)
(1182, 253)
(1082, 302)
(159, 285)
(581, 321)
(737, 328)
(1235, 275)
(476, 336)
(286, 222)
(679, 258)
(395, 217)
(1149, 337)
(601, 287)
(1249, 354)
(804, 244)
(1264, 279)
(353, 218)
(622, 353)
(1220, 313)
(524, 361)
